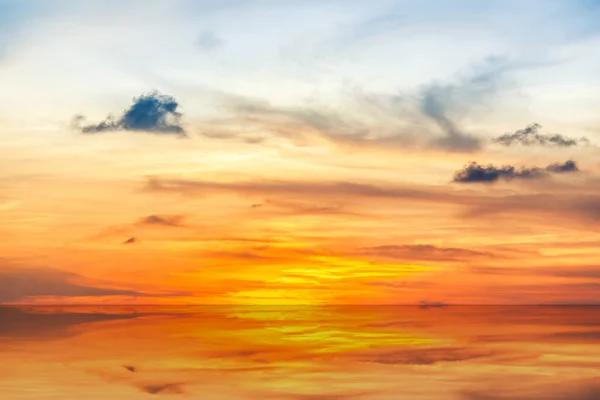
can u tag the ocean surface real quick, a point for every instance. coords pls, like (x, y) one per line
(300, 353)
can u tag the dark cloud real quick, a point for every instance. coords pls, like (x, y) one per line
(567, 166)
(423, 252)
(152, 113)
(20, 283)
(130, 368)
(165, 388)
(475, 172)
(531, 136)
(162, 220)
(131, 240)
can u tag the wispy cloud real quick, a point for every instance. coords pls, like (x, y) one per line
(430, 117)
(440, 102)
(531, 136)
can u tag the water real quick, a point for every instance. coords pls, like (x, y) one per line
(300, 353)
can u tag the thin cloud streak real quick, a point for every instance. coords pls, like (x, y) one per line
(424, 252)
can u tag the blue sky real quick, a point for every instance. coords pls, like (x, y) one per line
(65, 57)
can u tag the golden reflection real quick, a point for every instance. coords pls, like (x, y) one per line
(291, 352)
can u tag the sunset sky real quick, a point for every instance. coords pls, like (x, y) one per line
(300, 152)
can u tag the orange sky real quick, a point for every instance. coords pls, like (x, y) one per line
(231, 155)
(225, 223)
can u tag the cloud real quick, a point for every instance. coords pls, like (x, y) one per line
(576, 205)
(427, 118)
(531, 136)
(131, 240)
(427, 356)
(267, 188)
(130, 368)
(162, 220)
(164, 388)
(300, 208)
(20, 283)
(564, 206)
(441, 103)
(475, 172)
(423, 252)
(152, 113)
(433, 106)
(297, 124)
(567, 166)
(208, 40)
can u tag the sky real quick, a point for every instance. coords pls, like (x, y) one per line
(299, 152)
